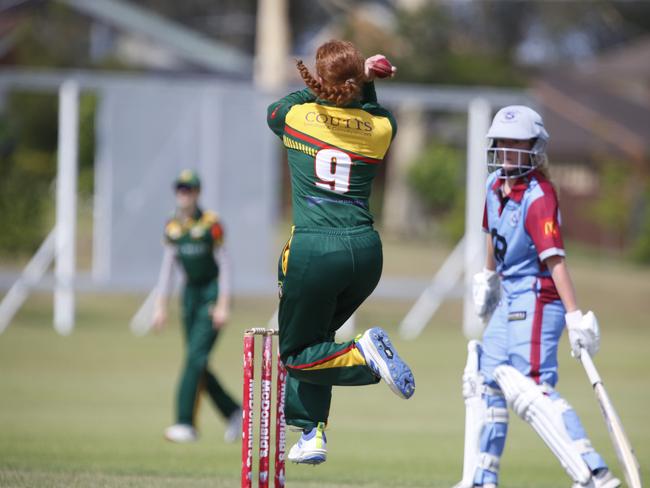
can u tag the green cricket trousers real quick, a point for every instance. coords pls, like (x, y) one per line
(200, 336)
(324, 275)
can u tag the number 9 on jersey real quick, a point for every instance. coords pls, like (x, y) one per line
(332, 168)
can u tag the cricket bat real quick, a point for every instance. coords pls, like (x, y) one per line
(620, 441)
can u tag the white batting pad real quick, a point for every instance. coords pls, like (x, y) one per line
(528, 401)
(476, 415)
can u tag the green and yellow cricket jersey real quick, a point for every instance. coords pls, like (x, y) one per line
(334, 154)
(195, 240)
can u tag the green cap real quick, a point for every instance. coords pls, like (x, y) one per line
(189, 178)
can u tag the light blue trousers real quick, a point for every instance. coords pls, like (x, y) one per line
(524, 332)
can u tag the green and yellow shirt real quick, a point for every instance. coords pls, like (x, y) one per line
(195, 240)
(334, 154)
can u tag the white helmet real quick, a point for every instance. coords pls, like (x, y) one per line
(521, 123)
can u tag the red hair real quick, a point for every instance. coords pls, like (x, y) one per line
(340, 66)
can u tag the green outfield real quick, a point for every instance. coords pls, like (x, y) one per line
(89, 409)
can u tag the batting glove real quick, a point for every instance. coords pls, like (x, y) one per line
(486, 290)
(583, 332)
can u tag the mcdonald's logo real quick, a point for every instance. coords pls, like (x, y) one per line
(549, 228)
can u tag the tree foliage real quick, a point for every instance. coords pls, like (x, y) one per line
(439, 48)
(641, 246)
(29, 129)
(27, 169)
(437, 177)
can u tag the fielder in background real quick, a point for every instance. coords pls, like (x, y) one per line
(194, 243)
(336, 135)
(525, 294)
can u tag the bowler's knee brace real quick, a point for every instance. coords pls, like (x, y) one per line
(531, 403)
(477, 414)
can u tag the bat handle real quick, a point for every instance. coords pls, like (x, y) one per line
(590, 368)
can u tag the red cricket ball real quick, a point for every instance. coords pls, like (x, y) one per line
(382, 68)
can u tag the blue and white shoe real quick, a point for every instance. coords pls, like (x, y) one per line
(382, 358)
(311, 448)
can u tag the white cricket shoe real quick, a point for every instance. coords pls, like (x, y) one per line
(380, 355)
(311, 448)
(181, 433)
(233, 429)
(602, 479)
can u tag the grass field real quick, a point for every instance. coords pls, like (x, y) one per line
(89, 409)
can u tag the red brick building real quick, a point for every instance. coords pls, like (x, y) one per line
(598, 115)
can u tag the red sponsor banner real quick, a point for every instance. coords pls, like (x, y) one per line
(266, 405)
(280, 429)
(265, 410)
(247, 409)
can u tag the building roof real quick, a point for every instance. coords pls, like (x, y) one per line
(590, 113)
(630, 60)
(186, 43)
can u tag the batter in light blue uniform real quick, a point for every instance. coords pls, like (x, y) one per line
(526, 296)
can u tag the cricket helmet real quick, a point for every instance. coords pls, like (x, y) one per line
(521, 123)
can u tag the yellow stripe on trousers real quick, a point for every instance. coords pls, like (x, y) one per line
(351, 358)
